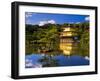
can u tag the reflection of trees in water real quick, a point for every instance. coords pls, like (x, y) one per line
(48, 61)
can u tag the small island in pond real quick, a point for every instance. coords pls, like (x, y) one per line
(53, 40)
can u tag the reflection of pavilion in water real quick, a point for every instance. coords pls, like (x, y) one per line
(69, 40)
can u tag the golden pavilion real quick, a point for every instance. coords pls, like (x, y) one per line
(69, 40)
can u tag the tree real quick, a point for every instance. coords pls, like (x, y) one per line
(44, 38)
(84, 39)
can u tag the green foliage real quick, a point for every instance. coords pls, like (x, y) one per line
(43, 39)
(84, 43)
(84, 39)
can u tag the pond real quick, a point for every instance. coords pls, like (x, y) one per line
(43, 60)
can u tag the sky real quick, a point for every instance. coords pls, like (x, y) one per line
(45, 18)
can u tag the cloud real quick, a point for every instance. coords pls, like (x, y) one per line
(41, 23)
(87, 18)
(29, 14)
(51, 22)
(30, 64)
(77, 22)
(70, 22)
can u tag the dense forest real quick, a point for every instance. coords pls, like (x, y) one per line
(46, 39)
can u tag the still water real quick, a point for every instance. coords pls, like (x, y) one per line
(42, 60)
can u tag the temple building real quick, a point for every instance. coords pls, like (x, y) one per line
(69, 40)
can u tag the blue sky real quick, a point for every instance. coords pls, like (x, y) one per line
(43, 18)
